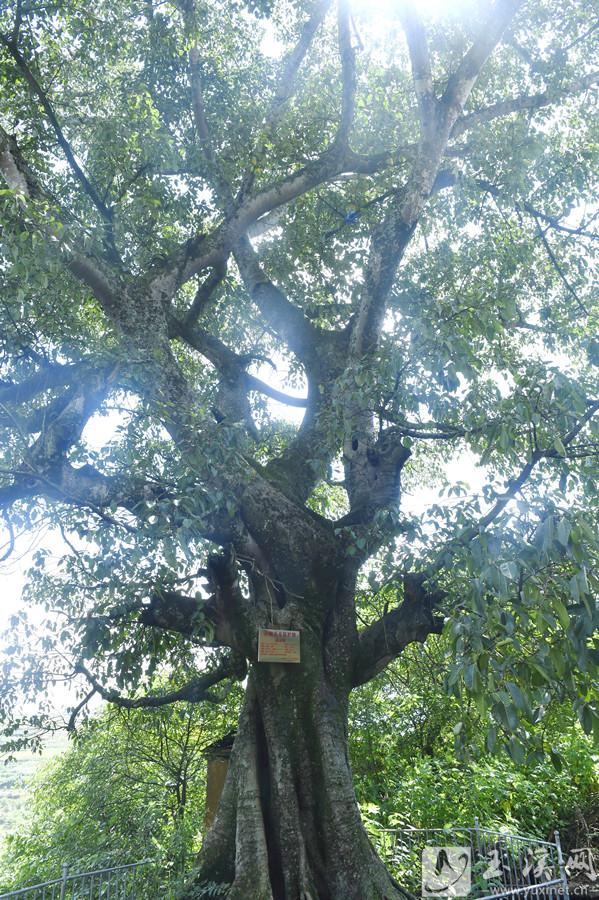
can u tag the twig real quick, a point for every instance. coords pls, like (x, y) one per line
(11, 536)
(558, 267)
(75, 712)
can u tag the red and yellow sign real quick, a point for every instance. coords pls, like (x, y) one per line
(279, 646)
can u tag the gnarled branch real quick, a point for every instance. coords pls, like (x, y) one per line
(195, 691)
(413, 620)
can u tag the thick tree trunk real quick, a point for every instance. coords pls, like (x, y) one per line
(288, 825)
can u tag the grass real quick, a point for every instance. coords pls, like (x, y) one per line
(15, 777)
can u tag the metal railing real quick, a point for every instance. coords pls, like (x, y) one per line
(116, 883)
(502, 865)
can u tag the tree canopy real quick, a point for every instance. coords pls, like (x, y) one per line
(318, 265)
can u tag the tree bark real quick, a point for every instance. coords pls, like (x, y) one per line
(288, 825)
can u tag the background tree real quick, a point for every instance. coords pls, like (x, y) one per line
(132, 779)
(398, 218)
(404, 734)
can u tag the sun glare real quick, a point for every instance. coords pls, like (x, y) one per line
(389, 10)
(377, 15)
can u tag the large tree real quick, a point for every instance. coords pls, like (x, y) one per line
(394, 213)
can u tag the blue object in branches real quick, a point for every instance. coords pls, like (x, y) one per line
(352, 215)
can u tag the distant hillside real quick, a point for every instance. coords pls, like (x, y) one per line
(15, 776)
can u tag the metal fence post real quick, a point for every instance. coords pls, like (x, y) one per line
(562, 868)
(89, 882)
(63, 883)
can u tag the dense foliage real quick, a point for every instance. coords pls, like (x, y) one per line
(411, 770)
(214, 211)
(118, 788)
(131, 786)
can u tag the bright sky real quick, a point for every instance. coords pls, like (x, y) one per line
(388, 9)
(12, 572)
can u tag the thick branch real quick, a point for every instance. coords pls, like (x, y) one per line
(293, 61)
(256, 384)
(526, 102)
(84, 487)
(348, 75)
(215, 248)
(221, 185)
(421, 65)
(302, 464)
(48, 377)
(226, 609)
(462, 81)
(391, 237)
(173, 611)
(228, 362)
(14, 169)
(77, 709)
(298, 469)
(65, 429)
(204, 294)
(373, 475)
(285, 88)
(385, 640)
(139, 314)
(286, 320)
(427, 430)
(10, 545)
(45, 470)
(414, 619)
(224, 359)
(40, 419)
(20, 178)
(194, 691)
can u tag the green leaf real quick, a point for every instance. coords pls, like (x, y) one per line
(585, 714)
(516, 751)
(563, 532)
(517, 696)
(561, 612)
(559, 447)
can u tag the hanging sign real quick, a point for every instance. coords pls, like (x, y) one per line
(279, 646)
